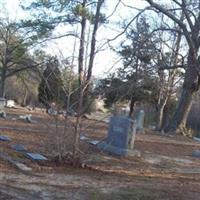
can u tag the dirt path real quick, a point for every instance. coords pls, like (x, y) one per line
(84, 184)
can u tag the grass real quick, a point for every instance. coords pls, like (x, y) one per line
(129, 194)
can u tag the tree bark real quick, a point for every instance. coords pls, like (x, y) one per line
(81, 87)
(25, 97)
(131, 106)
(93, 41)
(82, 46)
(171, 79)
(191, 32)
(190, 87)
(160, 116)
(2, 89)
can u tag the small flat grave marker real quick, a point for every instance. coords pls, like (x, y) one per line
(196, 153)
(82, 137)
(23, 167)
(94, 142)
(19, 147)
(196, 138)
(36, 156)
(4, 138)
(15, 163)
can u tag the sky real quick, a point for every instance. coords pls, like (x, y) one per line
(106, 60)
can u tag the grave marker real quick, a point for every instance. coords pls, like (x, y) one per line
(4, 138)
(19, 147)
(36, 156)
(94, 142)
(121, 136)
(140, 121)
(10, 103)
(27, 118)
(2, 107)
(196, 153)
(2, 103)
(14, 162)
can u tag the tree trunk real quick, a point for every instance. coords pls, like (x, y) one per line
(180, 116)
(3, 80)
(190, 87)
(2, 87)
(165, 119)
(161, 116)
(131, 106)
(86, 100)
(25, 97)
(82, 46)
(160, 119)
(172, 75)
(93, 42)
(81, 88)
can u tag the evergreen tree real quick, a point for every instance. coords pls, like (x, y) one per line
(138, 70)
(51, 86)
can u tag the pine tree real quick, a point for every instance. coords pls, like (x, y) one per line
(51, 86)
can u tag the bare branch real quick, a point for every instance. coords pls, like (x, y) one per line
(176, 20)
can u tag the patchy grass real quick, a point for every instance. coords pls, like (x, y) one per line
(105, 177)
(131, 194)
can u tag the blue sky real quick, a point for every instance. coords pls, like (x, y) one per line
(105, 60)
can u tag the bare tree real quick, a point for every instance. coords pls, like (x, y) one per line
(190, 29)
(167, 80)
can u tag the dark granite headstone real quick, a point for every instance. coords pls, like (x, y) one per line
(4, 138)
(36, 156)
(118, 132)
(121, 136)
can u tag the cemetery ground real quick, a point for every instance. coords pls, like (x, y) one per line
(166, 169)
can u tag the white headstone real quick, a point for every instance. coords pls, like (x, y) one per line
(10, 103)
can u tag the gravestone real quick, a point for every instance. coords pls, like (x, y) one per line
(2, 103)
(94, 142)
(36, 156)
(4, 138)
(10, 104)
(196, 153)
(83, 137)
(121, 136)
(19, 147)
(14, 162)
(196, 138)
(2, 114)
(27, 118)
(140, 121)
(2, 107)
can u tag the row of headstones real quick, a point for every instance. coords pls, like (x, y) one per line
(121, 136)
(10, 103)
(22, 149)
(26, 118)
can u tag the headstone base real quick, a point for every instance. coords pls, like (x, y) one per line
(118, 151)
